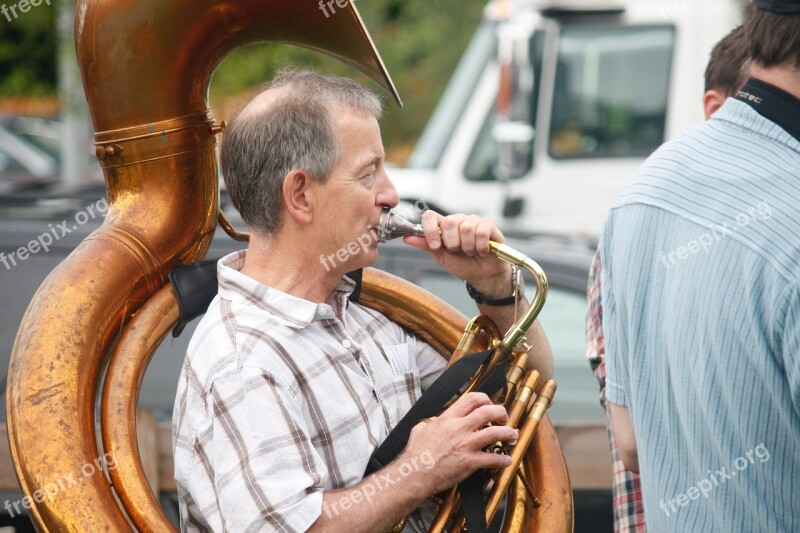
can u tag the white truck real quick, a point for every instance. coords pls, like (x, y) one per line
(555, 103)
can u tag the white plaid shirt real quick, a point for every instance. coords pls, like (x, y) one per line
(281, 398)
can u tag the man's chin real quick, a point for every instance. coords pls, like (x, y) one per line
(365, 259)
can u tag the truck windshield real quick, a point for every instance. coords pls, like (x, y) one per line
(450, 108)
(610, 94)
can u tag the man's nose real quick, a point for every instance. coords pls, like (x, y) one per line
(387, 194)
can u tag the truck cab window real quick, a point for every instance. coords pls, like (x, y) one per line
(482, 161)
(610, 94)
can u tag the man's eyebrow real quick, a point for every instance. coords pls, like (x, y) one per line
(372, 163)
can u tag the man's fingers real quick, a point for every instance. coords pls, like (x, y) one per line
(430, 226)
(468, 234)
(483, 234)
(468, 231)
(491, 461)
(485, 414)
(466, 404)
(489, 435)
(451, 232)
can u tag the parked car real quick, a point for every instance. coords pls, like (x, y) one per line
(576, 411)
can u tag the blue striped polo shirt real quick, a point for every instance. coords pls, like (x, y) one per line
(701, 296)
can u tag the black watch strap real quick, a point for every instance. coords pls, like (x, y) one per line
(483, 299)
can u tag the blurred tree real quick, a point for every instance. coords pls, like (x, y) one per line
(28, 53)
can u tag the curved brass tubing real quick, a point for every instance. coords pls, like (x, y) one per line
(124, 377)
(146, 67)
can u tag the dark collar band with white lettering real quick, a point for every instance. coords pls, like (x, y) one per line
(781, 7)
(773, 104)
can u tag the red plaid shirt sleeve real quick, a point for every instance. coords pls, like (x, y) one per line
(627, 494)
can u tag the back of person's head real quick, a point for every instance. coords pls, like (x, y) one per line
(288, 126)
(772, 28)
(727, 68)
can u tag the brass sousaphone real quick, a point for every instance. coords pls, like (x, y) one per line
(146, 67)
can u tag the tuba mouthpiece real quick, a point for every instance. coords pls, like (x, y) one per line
(392, 225)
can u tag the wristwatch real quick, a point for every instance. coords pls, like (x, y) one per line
(516, 281)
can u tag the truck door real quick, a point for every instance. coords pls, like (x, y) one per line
(602, 111)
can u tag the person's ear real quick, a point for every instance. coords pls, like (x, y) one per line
(298, 198)
(712, 101)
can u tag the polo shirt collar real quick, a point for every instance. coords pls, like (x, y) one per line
(290, 310)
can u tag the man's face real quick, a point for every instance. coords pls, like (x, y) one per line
(350, 201)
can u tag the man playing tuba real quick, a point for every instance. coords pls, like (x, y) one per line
(288, 387)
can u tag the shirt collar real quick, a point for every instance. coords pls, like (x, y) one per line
(289, 310)
(746, 117)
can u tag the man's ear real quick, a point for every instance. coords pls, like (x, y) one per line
(298, 198)
(712, 101)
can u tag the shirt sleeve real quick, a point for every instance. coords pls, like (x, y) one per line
(595, 351)
(790, 345)
(614, 338)
(266, 474)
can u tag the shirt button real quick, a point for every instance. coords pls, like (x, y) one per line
(346, 343)
(323, 311)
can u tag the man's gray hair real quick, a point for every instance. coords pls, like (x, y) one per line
(295, 130)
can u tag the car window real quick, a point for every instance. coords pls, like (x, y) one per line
(563, 319)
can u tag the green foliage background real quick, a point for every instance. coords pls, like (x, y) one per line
(28, 53)
(420, 41)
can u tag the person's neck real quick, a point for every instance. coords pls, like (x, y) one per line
(282, 262)
(784, 78)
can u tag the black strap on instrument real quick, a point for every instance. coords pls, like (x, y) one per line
(431, 404)
(772, 103)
